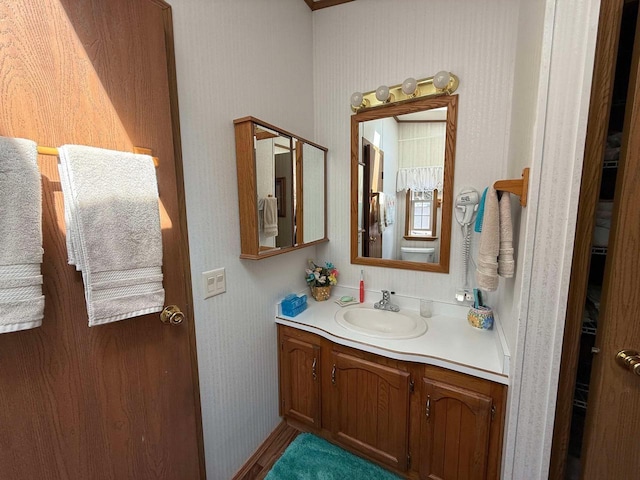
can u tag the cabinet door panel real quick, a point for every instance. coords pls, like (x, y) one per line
(300, 381)
(454, 433)
(370, 405)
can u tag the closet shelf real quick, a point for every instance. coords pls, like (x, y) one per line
(581, 395)
(518, 187)
(589, 326)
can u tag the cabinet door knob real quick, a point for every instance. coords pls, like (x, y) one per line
(333, 374)
(313, 368)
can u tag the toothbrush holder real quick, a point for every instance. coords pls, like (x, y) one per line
(481, 317)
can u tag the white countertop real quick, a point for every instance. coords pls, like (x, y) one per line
(450, 342)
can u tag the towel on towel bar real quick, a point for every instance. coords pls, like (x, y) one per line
(487, 266)
(21, 299)
(113, 230)
(270, 214)
(506, 264)
(495, 256)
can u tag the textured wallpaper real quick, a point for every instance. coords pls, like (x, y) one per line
(234, 59)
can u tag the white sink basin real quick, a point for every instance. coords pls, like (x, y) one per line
(381, 323)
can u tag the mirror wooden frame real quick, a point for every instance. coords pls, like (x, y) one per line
(451, 103)
(247, 190)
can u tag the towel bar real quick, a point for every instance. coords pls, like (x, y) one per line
(518, 187)
(54, 151)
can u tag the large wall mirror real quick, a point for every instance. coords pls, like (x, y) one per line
(281, 189)
(402, 163)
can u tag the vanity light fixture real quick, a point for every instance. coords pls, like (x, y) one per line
(442, 83)
(383, 95)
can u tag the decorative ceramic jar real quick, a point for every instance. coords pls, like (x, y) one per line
(321, 293)
(481, 317)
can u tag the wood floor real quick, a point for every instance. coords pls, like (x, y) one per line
(266, 455)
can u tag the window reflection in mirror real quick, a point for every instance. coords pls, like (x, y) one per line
(402, 160)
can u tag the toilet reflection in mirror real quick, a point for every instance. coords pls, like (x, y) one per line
(402, 156)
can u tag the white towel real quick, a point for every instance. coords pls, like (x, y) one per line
(270, 217)
(113, 230)
(487, 266)
(21, 299)
(506, 264)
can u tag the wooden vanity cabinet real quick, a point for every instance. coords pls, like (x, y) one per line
(449, 427)
(370, 408)
(461, 426)
(300, 377)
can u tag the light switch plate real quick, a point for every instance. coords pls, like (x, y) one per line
(214, 282)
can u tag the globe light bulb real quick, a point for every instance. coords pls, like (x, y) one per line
(441, 79)
(356, 99)
(382, 93)
(409, 86)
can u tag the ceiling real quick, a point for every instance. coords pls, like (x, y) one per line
(318, 4)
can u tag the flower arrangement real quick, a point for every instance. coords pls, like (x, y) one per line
(318, 276)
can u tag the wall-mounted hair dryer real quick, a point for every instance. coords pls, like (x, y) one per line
(466, 205)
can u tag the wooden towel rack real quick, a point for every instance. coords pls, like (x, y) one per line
(54, 151)
(518, 187)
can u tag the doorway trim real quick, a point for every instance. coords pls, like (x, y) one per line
(547, 234)
(597, 128)
(184, 239)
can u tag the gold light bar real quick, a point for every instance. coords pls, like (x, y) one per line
(414, 89)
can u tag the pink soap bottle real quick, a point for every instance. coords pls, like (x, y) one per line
(361, 286)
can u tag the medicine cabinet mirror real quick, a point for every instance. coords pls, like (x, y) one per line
(281, 189)
(402, 163)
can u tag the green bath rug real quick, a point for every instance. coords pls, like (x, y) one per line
(312, 458)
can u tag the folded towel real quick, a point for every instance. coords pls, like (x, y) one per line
(382, 212)
(480, 216)
(21, 299)
(270, 217)
(487, 266)
(113, 230)
(506, 265)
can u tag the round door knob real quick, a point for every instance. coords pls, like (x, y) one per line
(172, 315)
(372, 239)
(630, 360)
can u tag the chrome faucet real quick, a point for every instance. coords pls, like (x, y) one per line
(385, 303)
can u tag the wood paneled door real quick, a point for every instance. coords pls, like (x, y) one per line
(116, 401)
(454, 433)
(613, 416)
(373, 160)
(370, 408)
(300, 380)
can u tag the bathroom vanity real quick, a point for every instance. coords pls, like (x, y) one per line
(429, 407)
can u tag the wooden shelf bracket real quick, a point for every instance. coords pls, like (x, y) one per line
(518, 187)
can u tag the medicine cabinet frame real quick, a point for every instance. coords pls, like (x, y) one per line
(248, 195)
